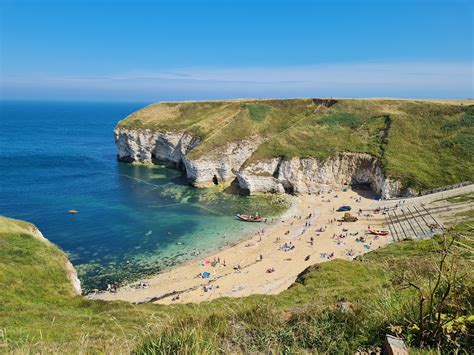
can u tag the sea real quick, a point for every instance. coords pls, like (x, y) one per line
(132, 221)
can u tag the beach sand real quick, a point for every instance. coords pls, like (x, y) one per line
(253, 277)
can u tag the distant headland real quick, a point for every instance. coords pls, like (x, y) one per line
(399, 147)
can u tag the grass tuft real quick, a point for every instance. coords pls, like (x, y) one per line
(39, 314)
(421, 143)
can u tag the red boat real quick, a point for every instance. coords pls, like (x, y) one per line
(378, 232)
(246, 218)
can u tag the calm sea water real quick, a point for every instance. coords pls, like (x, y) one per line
(132, 220)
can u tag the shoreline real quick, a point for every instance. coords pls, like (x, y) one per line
(245, 235)
(181, 284)
(242, 257)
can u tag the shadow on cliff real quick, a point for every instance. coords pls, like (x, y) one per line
(365, 190)
(235, 189)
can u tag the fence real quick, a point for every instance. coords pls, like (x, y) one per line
(445, 188)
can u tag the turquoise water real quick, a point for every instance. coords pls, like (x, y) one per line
(60, 156)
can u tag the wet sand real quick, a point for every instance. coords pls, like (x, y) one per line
(243, 268)
(227, 280)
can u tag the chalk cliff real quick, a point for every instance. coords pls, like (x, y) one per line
(307, 175)
(295, 175)
(217, 166)
(145, 146)
(220, 165)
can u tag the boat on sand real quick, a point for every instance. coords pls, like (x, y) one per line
(377, 232)
(247, 218)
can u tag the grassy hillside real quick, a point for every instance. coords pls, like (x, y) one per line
(424, 144)
(39, 313)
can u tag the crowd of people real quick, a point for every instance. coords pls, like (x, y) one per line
(301, 234)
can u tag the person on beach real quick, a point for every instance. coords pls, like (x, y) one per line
(112, 287)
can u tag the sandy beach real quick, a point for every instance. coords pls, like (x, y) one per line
(269, 261)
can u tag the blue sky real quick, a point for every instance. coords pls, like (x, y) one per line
(173, 50)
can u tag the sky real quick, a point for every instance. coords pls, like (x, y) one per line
(141, 50)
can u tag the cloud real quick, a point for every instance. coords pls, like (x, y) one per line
(406, 79)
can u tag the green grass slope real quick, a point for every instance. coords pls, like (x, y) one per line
(38, 312)
(424, 144)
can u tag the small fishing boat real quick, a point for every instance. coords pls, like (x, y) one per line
(72, 211)
(378, 232)
(247, 218)
(148, 233)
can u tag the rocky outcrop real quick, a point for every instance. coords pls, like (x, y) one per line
(308, 175)
(296, 175)
(145, 146)
(220, 165)
(216, 166)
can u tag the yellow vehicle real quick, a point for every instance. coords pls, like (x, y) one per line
(349, 218)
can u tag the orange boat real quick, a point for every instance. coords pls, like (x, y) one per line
(378, 232)
(246, 218)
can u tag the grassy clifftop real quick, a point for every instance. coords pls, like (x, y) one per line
(425, 144)
(39, 312)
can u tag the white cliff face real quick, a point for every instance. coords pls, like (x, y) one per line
(217, 166)
(308, 175)
(296, 175)
(220, 165)
(144, 146)
(261, 177)
(393, 188)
